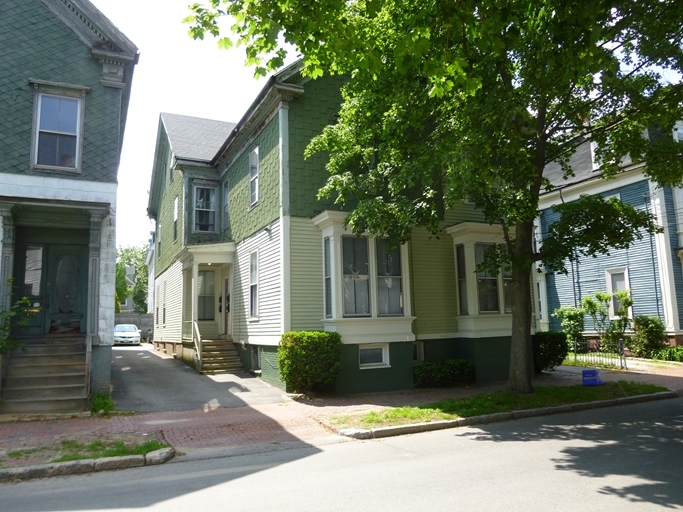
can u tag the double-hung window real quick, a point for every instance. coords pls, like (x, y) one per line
(327, 276)
(480, 291)
(487, 283)
(226, 206)
(253, 177)
(371, 278)
(253, 285)
(616, 281)
(175, 219)
(204, 208)
(356, 276)
(58, 132)
(389, 296)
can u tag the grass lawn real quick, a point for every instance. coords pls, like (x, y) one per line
(489, 403)
(90, 446)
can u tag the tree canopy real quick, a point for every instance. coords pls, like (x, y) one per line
(132, 256)
(472, 100)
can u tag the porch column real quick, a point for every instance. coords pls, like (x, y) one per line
(94, 280)
(6, 255)
(195, 280)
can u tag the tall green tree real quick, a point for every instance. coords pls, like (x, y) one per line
(472, 100)
(132, 256)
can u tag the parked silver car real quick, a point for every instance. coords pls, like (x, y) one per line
(126, 334)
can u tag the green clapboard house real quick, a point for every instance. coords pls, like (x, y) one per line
(245, 251)
(65, 82)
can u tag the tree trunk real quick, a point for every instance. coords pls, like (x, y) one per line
(521, 359)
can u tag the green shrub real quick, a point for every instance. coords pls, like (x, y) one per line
(309, 360)
(668, 354)
(443, 373)
(550, 349)
(649, 335)
(101, 402)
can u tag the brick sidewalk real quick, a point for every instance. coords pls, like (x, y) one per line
(206, 430)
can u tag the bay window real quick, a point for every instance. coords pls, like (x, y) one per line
(484, 295)
(365, 290)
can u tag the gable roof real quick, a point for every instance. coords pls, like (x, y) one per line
(93, 28)
(195, 138)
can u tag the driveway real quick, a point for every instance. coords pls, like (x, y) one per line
(145, 381)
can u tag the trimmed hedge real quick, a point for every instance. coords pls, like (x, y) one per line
(309, 360)
(444, 373)
(550, 349)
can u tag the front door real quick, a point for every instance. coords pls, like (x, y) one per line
(54, 279)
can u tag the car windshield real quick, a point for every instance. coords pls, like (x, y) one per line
(125, 328)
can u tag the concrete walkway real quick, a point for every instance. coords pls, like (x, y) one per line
(213, 428)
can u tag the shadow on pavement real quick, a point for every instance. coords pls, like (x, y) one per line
(642, 441)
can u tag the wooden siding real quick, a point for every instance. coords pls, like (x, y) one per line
(267, 329)
(172, 329)
(433, 283)
(306, 272)
(588, 276)
(308, 115)
(247, 220)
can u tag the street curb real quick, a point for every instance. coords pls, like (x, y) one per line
(77, 467)
(416, 428)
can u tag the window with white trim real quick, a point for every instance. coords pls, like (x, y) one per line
(678, 131)
(175, 219)
(356, 271)
(204, 208)
(362, 277)
(616, 281)
(58, 132)
(479, 291)
(253, 285)
(462, 279)
(389, 294)
(206, 295)
(226, 205)
(487, 283)
(374, 355)
(254, 165)
(327, 277)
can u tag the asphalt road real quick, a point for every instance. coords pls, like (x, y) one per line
(143, 381)
(615, 459)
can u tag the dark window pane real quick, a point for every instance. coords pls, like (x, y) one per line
(371, 355)
(59, 114)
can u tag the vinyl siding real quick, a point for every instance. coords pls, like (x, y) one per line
(588, 276)
(267, 329)
(172, 329)
(673, 230)
(306, 271)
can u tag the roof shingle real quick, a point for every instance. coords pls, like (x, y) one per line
(195, 138)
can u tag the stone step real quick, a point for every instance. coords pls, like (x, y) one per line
(44, 392)
(49, 406)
